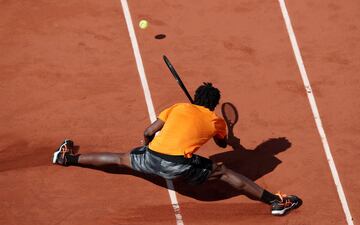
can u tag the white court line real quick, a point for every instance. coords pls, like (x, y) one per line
(315, 112)
(150, 106)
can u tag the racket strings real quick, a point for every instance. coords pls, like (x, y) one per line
(229, 113)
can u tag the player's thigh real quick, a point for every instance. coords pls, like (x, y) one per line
(125, 159)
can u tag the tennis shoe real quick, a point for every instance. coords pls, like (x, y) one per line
(66, 148)
(285, 204)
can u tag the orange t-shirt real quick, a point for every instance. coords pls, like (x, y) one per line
(187, 127)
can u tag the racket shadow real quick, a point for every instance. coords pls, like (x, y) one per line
(252, 163)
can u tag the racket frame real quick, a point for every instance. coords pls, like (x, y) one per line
(177, 78)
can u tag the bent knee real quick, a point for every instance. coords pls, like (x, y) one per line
(220, 167)
(219, 170)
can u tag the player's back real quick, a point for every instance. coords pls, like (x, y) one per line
(186, 128)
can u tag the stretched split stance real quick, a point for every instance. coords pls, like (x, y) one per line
(183, 129)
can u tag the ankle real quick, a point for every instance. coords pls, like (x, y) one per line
(268, 197)
(72, 160)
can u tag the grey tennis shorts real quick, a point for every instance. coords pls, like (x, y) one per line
(194, 170)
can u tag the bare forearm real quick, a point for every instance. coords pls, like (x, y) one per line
(148, 139)
(150, 132)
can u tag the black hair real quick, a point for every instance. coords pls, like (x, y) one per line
(208, 96)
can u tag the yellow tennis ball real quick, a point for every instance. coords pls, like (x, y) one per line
(143, 24)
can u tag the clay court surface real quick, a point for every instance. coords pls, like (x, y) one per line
(68, 70)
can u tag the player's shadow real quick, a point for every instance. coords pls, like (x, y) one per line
(252, 163)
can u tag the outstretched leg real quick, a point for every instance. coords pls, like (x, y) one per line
(280, 204)
(238, 181)
(65, 156)
(99, 159)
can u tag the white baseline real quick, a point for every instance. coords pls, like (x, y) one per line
(150, 106)
(315, 112)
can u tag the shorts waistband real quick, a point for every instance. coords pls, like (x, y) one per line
(170, 158)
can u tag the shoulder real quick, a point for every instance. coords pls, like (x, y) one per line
(173, 106)
(218, 121)
(183, 106)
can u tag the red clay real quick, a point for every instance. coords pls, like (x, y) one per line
(332, 58)
(68, 71)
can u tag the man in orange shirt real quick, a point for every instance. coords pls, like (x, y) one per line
(169, 146)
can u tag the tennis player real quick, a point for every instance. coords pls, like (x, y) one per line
(182, 129)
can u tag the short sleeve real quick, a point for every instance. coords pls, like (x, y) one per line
(165, 113)
(220, 128)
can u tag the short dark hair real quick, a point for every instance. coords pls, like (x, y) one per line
(208, 96)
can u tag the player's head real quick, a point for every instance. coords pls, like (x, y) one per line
(208, 96)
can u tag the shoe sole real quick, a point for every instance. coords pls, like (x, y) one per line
(64, 144)
(287, 209)
(58, 152)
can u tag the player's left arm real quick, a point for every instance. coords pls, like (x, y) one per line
(150, 131)
(220, 137)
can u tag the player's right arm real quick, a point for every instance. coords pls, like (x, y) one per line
(150, 132)
(156, 126)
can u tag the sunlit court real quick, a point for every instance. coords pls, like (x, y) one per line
(165, 112)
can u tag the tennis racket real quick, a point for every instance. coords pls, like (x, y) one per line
(177, 78)
(230, 115)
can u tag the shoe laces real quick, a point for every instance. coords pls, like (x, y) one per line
(64, 150)
(281, 195)
(283, 198)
